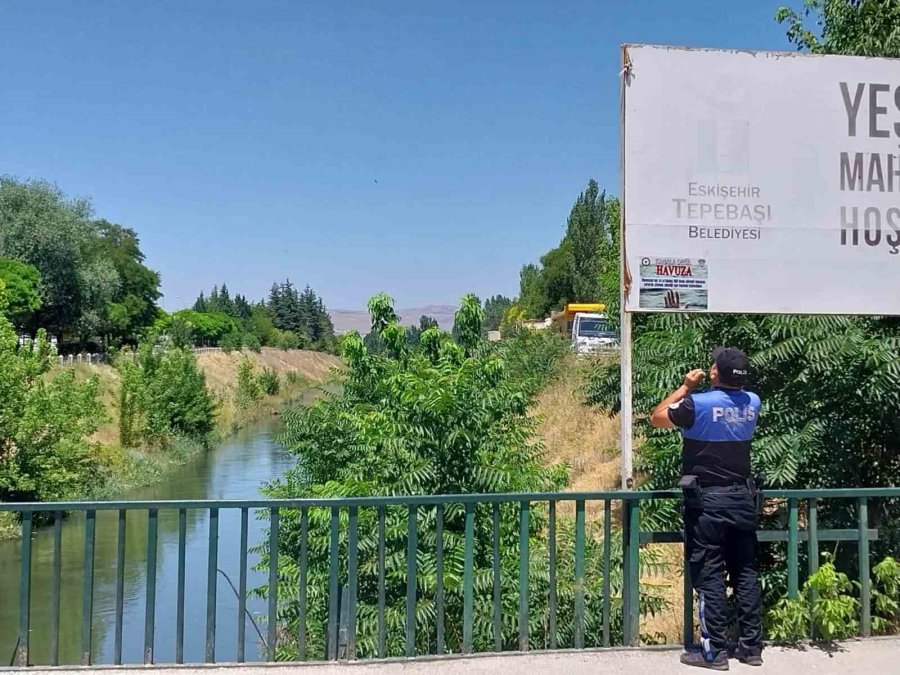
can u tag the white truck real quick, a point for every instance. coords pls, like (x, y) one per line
(587, 326)
(591, 332)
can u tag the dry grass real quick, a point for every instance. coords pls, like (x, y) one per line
(588, 440)
(585, 438)
(221, 375)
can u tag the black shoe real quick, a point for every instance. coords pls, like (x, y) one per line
(750, 657)
(720, 662)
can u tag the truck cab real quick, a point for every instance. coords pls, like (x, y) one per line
(585, 324)
(592, 332)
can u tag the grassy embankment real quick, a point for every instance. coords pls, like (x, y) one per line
(587, 439)
(299, 371)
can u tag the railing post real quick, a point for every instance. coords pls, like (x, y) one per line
(25, 592)
(495, 562)
(87, 599)
(468, 571)
(412, 545)
(150, 591)
(579, 574)
(607, 567)
(212, 564)
(812, 530)
(792, 551)
(272, 634)
(332, 637)
(553, 591)
(865, 620)
(523, 576)
(631, 571)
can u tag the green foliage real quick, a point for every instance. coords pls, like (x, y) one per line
(285, 339)
(132, 306)
(788, 621)
(162, 395)
(207, 328)
(232, 342)
(495, 309)
(252, 342)
(855, 27)
(93, 283)
(438, 418)
(467, 324)
(826, 603)
(584, 267)
(886, 596)
(292, 377)
(413, 333)
(45, 421)
(589, 230)
(532, 357)
(269, 383)
(248, 389)
(22, 285)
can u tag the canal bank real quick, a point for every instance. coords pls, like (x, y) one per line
(236, 469)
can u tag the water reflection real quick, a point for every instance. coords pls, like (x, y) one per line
(234, 471)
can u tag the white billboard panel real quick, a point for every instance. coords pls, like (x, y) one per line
(761, 182)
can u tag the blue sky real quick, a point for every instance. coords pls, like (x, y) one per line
(426, 149)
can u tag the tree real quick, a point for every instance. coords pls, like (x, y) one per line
(854, 27)
(41, 227)
(433, 420)
(414, 333)
(132, 307)
(494, 310)
(22, 289)
(207, 328)
(588, 231)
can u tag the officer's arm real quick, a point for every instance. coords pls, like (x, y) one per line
(659, 418)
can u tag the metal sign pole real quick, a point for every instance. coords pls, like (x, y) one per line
(625, 418)
(625, 413)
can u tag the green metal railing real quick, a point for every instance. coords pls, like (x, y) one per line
(342, 600)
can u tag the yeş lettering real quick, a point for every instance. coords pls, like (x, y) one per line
(873, 111)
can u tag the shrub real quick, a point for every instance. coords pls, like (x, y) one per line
(886, 596)
(285, 339)
(248, 389)
(252, 343)
(292, 377)
(45, 421)
(268, 382)
(162, 394)
(825, 603)
(232, 342)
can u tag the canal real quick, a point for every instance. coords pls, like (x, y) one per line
(234, 470)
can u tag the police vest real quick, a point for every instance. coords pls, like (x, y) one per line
(717, 444)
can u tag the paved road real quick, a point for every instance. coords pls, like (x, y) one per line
(871, 657)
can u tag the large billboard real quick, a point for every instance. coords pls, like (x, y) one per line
(761, 182)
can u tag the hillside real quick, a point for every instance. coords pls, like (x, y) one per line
(221, 377)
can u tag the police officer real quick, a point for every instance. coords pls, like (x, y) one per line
(720, 517)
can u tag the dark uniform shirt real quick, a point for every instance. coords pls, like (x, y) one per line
(718, 426)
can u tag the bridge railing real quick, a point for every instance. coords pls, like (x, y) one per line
(472, 522)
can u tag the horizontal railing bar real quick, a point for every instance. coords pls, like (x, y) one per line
(766, 535)
(426, 500)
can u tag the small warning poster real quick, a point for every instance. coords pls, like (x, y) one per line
(673, 283)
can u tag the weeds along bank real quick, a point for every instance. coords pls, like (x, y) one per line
(69, 433)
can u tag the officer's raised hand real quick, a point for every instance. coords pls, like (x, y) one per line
(694, 379)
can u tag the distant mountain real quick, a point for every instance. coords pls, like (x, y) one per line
(354, 319)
